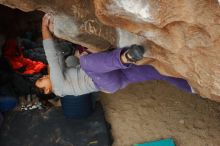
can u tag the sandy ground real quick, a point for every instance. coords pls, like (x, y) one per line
(155, 110)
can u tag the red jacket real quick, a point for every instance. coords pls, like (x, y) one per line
(17, 60)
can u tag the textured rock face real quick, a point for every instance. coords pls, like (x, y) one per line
(184, 35)
(75, 21)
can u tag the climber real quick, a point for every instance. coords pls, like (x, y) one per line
(105, 71)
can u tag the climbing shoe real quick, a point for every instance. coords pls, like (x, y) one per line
(134, 53)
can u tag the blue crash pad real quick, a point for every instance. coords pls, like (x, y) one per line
(164, 142)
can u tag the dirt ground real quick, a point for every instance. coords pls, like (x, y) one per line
(155, 110)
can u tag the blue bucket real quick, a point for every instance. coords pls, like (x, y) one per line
(7, 103)
(77, 107)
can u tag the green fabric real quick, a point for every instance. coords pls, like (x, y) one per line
(165, 142)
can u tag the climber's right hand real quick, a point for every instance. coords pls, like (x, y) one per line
(45, 27)
(46, 22)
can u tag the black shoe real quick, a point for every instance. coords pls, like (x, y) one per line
(134, 53)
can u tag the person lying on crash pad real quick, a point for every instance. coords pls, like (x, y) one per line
(107, 71)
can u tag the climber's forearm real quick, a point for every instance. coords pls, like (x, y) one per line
(46, 34)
